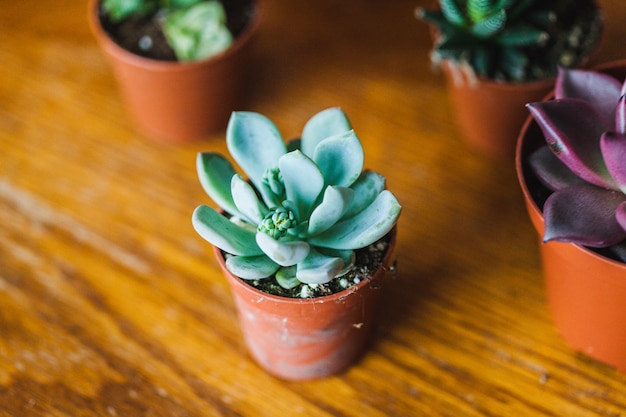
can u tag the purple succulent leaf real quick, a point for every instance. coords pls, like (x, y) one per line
(623, 91)
(620, 215)
(599, 89)
(549, 169)
(620, 114)
(583, 214)
(613, 146)
(572, 129)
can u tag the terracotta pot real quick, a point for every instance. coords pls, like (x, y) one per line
(586, 291)
(490, 114)
(175, 102)
(299, 339)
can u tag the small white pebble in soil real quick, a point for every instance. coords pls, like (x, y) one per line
(305, 292)
(343, 283)
(356, 280)
(145, 42)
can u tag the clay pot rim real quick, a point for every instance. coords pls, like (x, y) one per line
(240, 283)
(155, 65)
(519, 168)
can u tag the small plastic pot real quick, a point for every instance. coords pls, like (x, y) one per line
(176, 102)
(586, 291)
(301, 339)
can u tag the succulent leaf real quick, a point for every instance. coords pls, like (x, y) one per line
(600, 90)
(479, 10)
(620, 216)
(364, 228)
(283, 252)
(334, 204)
(286, 277)
(366, 188)
(304, 181)
(255, 143)
(318, 268)
(521, 35)
(119, 10)
(490, 25)
(340, 158)
(583, 214)
(252, 267)
(246, 200)
(553, 173)
(220, 232)
(613, 147)
(198, 31)
(620, 115)
(215, 173)
(567, 125)
(453, 13)
(327, 123)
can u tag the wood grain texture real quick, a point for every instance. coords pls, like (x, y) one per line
(111, 305)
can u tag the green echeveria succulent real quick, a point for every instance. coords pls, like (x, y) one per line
(512, 40)
(194, 29)
(305, 206)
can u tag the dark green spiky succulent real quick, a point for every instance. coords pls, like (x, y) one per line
(513, 40)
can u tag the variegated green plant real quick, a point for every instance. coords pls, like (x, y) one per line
(305, 206)
(194, 29)
(513, 40)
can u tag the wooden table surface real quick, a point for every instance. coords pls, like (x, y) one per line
(112, 305)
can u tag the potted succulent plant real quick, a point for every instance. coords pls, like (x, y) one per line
(499, 55)
(303, 240)
(179, 63)
(570, 164)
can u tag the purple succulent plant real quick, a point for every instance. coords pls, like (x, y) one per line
(584, 162)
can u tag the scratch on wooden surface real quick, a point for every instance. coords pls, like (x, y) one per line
(40, 213)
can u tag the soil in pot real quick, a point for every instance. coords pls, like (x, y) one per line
(367, 262)
(144, 36)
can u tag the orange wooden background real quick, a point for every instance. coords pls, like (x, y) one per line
(111, 305)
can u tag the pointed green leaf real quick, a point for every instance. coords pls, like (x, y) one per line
(215, 173)
(452, 12)
(284, 253)
(478, 10)
(303, 181)
(327, 123)
(491, 25)
(255, 143)
(340, 158)
(246, 200)
(363, 229)
(334, 203)
(221, 232)
(251, 267)
(521, 35)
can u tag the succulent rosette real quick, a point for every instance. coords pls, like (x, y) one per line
(584, 161)
(305, 206)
